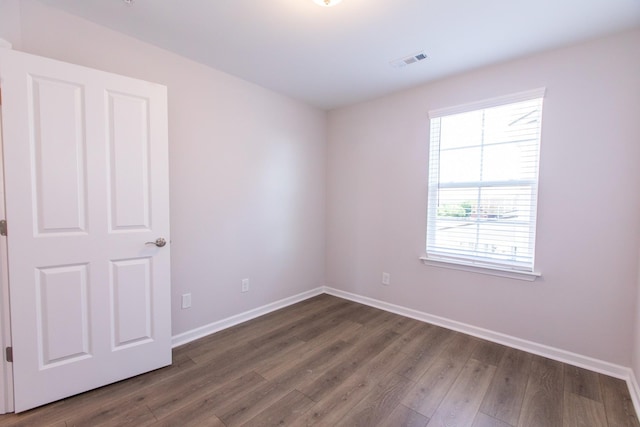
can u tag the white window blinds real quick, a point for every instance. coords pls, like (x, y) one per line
(483, 182)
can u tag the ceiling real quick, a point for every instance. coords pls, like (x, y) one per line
(331, 57)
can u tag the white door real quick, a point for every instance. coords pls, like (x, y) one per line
(86, 177)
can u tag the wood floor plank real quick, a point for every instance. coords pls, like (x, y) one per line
(544, 394)
(312, 326)
(282, 412)
(364, 314)
(489, 352)
(378, 321)
(617, 403)
(460, 347)
(334, 405)
(238, 411)
(428, 340)
(211, 345)
(192, 421)
(405, 417)
(243, 350)
(378, 404)
(205, 401)
(179, 393)
(413, 340)
(402, 325)
(580, 411)
(427, 393)
(460, 405)
(208, 406)
(54, 413)
(261, 326)
(197, 382)
(274, 367)
(484, 420)
(298, 373)
(107, 395)
(130, 413)
(48, 424)
(427, 346)
(366, 350)
(582, 382)
(506, 393)
(433, 385)
(349, 332)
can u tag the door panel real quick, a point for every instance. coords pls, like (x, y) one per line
(131, 295)
(58, 155)
(63, 308)
(86, 180)
(129, 168)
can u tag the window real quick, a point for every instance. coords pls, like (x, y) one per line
(483, 183)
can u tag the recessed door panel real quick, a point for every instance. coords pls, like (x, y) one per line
(128, 127)
(63, 311)
(131, 296)
(58, 149)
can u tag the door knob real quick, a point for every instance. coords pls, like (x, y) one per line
(160, 242)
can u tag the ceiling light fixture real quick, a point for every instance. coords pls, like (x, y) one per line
(326, 3)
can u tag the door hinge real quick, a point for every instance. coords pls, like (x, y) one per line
(8, 352)
(3, 227)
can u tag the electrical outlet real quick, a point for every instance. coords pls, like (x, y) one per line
(186, 301)
(245, 285)
(386, 279)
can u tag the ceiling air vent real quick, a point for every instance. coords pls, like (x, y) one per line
(408, 60)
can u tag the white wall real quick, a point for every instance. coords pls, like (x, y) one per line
(247, 168)
(589, 201)
(10, 22)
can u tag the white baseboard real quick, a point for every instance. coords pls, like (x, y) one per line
(600, 366)
(211, 328)
(574, 359)
(634, 391)
(606, 368)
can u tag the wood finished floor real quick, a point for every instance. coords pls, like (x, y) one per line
(330, 362)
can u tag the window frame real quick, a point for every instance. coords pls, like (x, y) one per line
(478, 265)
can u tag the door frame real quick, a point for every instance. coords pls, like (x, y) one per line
(6, 368)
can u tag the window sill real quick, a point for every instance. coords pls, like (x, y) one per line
(492, 271)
